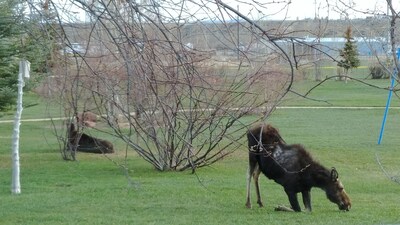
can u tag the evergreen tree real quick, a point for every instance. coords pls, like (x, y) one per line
(20, 38)
(8, 54)
(349, 53)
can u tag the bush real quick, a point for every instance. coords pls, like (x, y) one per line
(378, 72)
(8, 98)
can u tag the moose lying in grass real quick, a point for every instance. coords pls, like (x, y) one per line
(88, 143)
(292, 167)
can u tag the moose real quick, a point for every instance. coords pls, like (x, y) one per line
(88, 143)
(292, 167)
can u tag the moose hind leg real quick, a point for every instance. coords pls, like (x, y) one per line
(306, 200)
(253, 171)
(294, 202)
(256, 176)
(249, 175)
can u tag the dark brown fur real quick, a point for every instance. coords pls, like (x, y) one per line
(88, 143)
(292, 167)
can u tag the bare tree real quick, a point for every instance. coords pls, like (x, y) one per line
(174, 80)
(156, 75)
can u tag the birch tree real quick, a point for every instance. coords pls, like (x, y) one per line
(23, 73)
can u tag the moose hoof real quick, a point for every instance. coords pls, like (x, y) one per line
(248, 205)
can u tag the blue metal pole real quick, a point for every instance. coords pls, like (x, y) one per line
(387, 107)
(393, 78)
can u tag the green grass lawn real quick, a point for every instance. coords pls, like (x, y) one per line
(338, 93)
(96, 190)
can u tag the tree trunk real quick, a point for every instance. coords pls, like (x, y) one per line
(24, 68)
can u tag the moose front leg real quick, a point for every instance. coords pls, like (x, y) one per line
(294, 203)
(306, 199)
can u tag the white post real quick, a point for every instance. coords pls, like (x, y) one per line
(24, 68)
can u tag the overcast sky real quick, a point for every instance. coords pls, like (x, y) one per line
(278, 9)
(301, 9)
(334, 9)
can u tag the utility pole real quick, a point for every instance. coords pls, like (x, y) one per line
(317, 54)
(238, 33)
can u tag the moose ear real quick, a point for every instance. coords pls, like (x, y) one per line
(334, 174)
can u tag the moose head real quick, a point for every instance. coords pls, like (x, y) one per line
(336, 193)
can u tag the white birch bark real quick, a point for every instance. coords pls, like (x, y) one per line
(24, 67)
